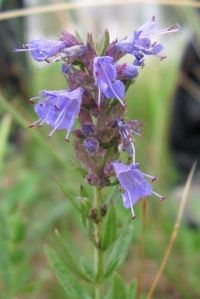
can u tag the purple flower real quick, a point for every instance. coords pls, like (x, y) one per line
(88, 129)
(43, 49)
(127, 71)
(139, 44)
(126, 133)
(134, 184)
(105, 74)
(75, 51)
(91, 144)
(66, 69)
(58, 109)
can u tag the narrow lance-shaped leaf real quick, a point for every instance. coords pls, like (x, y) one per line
(131, 290)
(120, 249)
(70, 198)
(88, 267)
(109, 229)
(103, 43)
(118, 288)
(85, 204)
(71, 287)
(70, 260)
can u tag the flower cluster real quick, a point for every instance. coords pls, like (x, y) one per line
(97, 82)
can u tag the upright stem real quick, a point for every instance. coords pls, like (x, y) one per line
(142, 253)
(98, 255)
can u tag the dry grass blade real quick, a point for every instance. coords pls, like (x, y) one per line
(175, 230)
(42, 9)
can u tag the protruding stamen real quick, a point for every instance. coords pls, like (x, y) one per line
(135, 133)
(164, 31)
(132, 212)
(32, 99)
(23, 50)
(58, 121)
(42, 122)
(161, 197)
(34, 123)
(99, 98)
(133, 149)
(151, 177)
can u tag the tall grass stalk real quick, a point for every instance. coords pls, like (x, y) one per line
(42, 9)
(174, 233)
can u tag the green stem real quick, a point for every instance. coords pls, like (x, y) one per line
(98, 255)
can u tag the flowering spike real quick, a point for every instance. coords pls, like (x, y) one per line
(95, 76)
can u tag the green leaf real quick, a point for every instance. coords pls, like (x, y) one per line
(5, 126)
(83, 191)
(88, 268)
(120, 248)
(84, 216)
(18, 228)
(89, 225)
(131, 290)
(74, 201)
(79, 37)
(103, 43)
(109, 229)
(118, 288)
(70, 260)
(71, 287)
(5, 266)
(86, 205)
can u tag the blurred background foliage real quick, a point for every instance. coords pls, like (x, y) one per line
(32, 167)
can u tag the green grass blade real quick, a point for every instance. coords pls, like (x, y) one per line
(5, 127)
